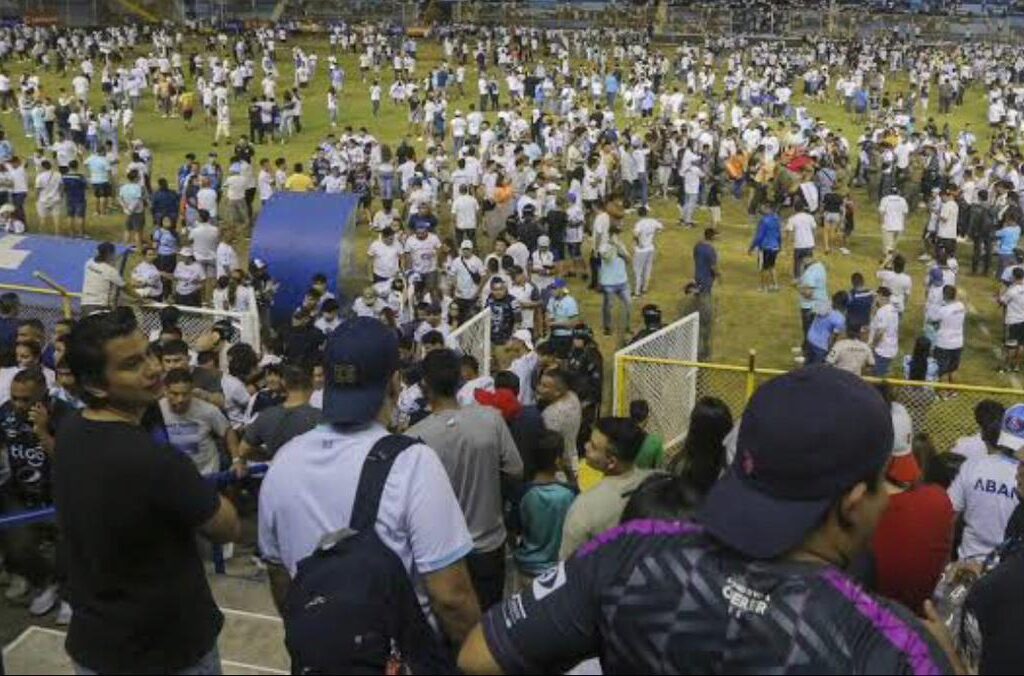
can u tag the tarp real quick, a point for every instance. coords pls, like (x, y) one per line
(301, 234)
(61, 259)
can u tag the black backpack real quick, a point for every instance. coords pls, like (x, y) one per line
(352, 608)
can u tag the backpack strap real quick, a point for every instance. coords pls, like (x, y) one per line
(373, 477)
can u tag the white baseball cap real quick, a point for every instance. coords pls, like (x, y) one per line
(523, 336)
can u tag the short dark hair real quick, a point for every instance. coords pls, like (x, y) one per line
(625, 436)
(87, 347)
(433, 338)
(173, 348)
(441, 373)
(32, 376)
(297, 378)
(550, 446)
(558, 374)
(470, 362)
(207, 357)
(506, 380)
(988, 413)
(36, 324)
(178, 376)
(639, 410)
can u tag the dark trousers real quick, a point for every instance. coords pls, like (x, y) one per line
(21, 545)
(981, 257)
(487, 571)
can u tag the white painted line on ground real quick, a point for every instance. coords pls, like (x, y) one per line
(254, 616)
(18, 640)
(252, 667)
(227, 663)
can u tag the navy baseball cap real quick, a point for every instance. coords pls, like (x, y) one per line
(360, 357)
(805, 439)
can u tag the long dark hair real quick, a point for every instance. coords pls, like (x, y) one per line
(703, 456)
(919, 360)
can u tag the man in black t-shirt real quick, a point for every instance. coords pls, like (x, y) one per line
(129, 511)
(758, 585)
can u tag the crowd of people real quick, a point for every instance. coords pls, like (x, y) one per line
(503, 515)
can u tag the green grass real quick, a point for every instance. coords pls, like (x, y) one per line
(746, 318)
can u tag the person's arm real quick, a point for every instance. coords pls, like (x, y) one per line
(223, 527)
(177, 490)
(280, 581)
(511, 460)
(233, 444)
(453, 599)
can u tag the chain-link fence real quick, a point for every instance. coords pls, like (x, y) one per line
(47, 305)
(670, 393)
(195, 322)
(944, 412)
(474, 338)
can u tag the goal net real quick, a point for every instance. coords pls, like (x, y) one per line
(474, 338)
(649, 369)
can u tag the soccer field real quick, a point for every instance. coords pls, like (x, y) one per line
(745, 317)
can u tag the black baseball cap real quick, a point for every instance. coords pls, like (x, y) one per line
(805, 439)
(360, 357)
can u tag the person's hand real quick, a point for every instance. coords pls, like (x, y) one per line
(240, 468)
(940, 632)
(40, 419)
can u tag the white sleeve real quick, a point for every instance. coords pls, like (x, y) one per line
(957, 491)
(114, 277)
(437, 528)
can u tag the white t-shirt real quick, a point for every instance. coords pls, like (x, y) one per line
(985, 492)
(948, 215)
(100, 283)
(465, 209)
(205, 238)
(802, 226)
(206, 198)
(886, 323)
(188, 278)
(461, 269)
(48, 185)
(645, 231)
(951, 316)
(147, 281)
(310, 489)
(385, 258)
(894, 210)
(1013, 299)
(970, 447)
(423, 253)
(900, 284)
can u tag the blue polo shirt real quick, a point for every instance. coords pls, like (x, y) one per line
(705, 258)
(824, 327)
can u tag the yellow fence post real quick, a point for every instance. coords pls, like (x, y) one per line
(751, 374)
(620, 377)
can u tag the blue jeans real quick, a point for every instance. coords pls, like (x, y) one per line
(620, 290)
(387, 186)
(208, 665)
(882, 366)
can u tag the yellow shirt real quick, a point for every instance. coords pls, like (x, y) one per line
(588, 477)
(298, 183)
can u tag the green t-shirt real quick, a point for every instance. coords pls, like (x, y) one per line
(542, 510)
(652, 453)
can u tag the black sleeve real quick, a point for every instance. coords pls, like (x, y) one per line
(552, 625)
(178, 491)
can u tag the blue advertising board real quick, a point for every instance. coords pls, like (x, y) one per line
(301, 234)
(61, 259)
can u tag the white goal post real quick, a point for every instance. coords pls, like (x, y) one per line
(474, 338)
(649, 369)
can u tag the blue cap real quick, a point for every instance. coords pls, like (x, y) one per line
(935, 277)
(360, 357)
(806, 438)
(1012, 434)
(559, 283)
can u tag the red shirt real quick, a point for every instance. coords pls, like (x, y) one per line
(913, 544)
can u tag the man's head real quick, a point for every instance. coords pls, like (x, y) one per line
(27, 389)
(469, 367)
(113, 364)
(805, 479)
(613, 445)
(27, 353)
(298, 380)
(174, 355)
(360, 364)
(498, 288)
(441, 375)
(552, 386)
(179, 386)
(32, 329)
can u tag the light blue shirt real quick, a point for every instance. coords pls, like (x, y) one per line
(824, 327)
(131, 195)
(816, 278)
(1008, 238)
(613, 272)
(99, 169)
(563, 310)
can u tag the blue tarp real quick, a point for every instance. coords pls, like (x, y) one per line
(61, 259)
(302, 234)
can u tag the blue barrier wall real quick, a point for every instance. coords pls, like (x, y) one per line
(301, 234)
(62, 259)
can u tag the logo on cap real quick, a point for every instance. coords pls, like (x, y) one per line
(346, 375)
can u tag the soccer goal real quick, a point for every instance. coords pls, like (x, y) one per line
(196, 321)
(474, 337)
(650, 369)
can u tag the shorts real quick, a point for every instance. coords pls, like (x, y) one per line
(209, 268)
(135, 222)
(187, 115)
(832, 218)
(947, 243)
(102, 190)
(44, 210)
(1015, 335)
(575, 250)
(768, 258)
(948, 360)
(76, 209)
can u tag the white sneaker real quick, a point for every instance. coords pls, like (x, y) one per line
(924, 258)
(44, 601)
(64, 614)
(17, 588)
(228, 551)
(843, 250)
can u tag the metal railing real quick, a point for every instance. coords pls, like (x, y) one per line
(943, 411)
